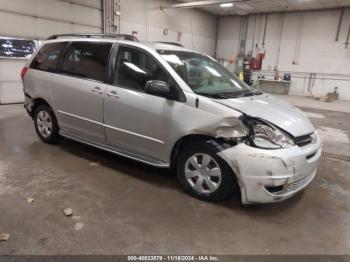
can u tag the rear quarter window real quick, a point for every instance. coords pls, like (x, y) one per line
(48, 56)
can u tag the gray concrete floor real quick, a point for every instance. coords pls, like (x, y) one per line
(122, 207)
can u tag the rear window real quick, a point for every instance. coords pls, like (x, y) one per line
(47, 57)
(87, 60)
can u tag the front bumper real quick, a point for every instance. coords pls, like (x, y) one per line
(266, 176)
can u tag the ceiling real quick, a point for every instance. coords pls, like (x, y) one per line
(245, 7)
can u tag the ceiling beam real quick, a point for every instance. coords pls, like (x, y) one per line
(203, 3)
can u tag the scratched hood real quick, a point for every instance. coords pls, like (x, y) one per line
(273, 110)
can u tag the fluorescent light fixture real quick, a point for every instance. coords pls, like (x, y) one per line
(225, 5)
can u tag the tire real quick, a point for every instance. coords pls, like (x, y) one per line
(46, 125)
(205, 175)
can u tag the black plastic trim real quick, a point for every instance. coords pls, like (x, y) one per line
(120, 36)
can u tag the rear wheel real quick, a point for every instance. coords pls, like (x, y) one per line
(204, 174)
(46, 124)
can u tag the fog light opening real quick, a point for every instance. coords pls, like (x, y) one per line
(274, 189)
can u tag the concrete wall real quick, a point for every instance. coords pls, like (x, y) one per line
(314, 32)
(145, 16)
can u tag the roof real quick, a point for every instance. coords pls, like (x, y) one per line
(163, 46)
(126, 39)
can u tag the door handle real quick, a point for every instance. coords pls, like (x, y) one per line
(97, 90)
(113, 94)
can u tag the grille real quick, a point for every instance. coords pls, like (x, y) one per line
(278, 190)
(297, 184)
(336, 156)
(303, 140)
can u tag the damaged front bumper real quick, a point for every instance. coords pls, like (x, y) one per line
(266, 176)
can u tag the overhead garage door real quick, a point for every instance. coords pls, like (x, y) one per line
(14, 54)
(38, 19)
(10, 83)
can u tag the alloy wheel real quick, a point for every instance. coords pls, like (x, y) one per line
(44, 123)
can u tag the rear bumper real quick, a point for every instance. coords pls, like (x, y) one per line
(267, 176)
(28, 104)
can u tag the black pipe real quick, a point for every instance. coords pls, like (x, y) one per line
(103, 16)
(253, 40)
(347, 39)
(339, 24)
(216, 36)
(264, 37)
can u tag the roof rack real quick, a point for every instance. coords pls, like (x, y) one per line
(170, 43)
(120, 36)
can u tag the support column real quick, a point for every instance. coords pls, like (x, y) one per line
(111, 10)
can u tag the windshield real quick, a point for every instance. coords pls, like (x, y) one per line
(205, 76)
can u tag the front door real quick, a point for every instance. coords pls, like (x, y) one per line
(78, 90)
(134, 120)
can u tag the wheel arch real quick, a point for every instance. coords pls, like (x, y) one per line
(185, 140)
(36, 102)
(195, 138)
(51, 135)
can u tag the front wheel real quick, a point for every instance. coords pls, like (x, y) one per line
(46, 124)
(204, 174)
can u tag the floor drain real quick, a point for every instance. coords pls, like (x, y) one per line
(336, 156)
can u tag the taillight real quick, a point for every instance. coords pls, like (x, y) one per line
(23, 72)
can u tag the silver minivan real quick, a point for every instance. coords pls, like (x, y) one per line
(166, 106)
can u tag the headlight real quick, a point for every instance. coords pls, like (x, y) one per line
(230, 132)
(267, 136)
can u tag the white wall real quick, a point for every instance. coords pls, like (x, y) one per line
(319, 53)
(145, 16)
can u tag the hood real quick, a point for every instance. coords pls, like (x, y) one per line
(274, 110)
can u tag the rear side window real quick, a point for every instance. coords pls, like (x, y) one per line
(47, 57)
(87, 60)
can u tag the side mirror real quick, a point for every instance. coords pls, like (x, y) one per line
(158, 88)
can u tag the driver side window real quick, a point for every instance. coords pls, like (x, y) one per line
(134, 68)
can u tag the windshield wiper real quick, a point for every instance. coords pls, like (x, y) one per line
(252, 93)
(214, 95)
(227, 95)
